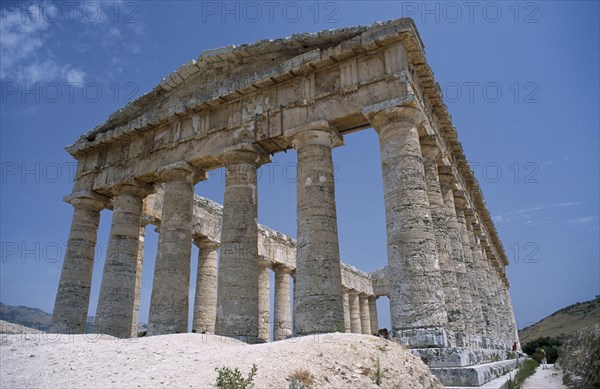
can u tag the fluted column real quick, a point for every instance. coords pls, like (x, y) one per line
(365, 316)
(116, 303)
(355, 322)
(347, 322)
(476, 302)
(501, 300)
(205, 303)
(439, 215)
(237, 300)
(447, 182)
(416, 293)
(170, 288)
(264, 301)
(373, 315)
(481, 278)
(318, 303)
(135, 319)
(486, 277)
(282, 320)
(73, 295)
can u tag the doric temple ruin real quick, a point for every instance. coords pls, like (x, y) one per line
(236, 106)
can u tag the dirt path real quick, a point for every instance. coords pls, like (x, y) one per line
(550, 378)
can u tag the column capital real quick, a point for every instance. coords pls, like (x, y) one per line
(181, 171)
(204, 243)
(245, 153)
(373, 298)
(132, 186)
(87, 199)
(430, 147)
(446, 175)
(382, 115)
(318, 132)
(263, 262)
(460, 200)
(281, 269)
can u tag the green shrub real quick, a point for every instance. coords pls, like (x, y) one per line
(232, 378)
(550, 345)
(378, 374)
(527, 369)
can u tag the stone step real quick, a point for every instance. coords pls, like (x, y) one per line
(462, 357)
(473, 376)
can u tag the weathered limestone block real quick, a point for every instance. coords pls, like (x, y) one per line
(373, 314)
(237, 300)
(417, 307)
(282, 322)
(355, 322)
(116, 303)
(170, 288)
(205, 303)
(318, 302)
(347, 322)
(439, 215)
(365, 316)
(264, 301)
(73, 296)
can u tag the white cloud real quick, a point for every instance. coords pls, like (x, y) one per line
(584, 220)
(25, 53)
(530, 215)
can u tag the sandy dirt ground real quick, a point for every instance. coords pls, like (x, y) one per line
(189, 360)
(550, 378)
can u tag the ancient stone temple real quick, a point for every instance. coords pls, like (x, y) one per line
(234, 107)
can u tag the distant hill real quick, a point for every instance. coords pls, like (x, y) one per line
(564, 322)
(30, 317)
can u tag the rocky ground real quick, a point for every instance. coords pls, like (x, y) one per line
(189, 360)
(580, 359)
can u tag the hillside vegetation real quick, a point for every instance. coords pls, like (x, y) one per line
(564, 322)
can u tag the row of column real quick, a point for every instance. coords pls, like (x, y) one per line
(360, 313)
(444, 290)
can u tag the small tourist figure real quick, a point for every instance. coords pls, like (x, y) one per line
(544, 362)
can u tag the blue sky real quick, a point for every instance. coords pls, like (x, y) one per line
(520, 80)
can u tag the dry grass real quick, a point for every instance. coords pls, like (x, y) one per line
(303, 377)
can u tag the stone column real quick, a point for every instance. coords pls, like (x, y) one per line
(476, 302)
(116, 303)
(481, 278)
(492, 314)
(205, 303)
(447, 182)
(441, 229)
(347, 322)
(170, 289)
(135, 319)
(365, 316)
(264, 301)
(282, 320)
(237, 299)
(318, 303)
(73, 296)
(355, 322)
(416, 296)
(373, 315)
(501, 300)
